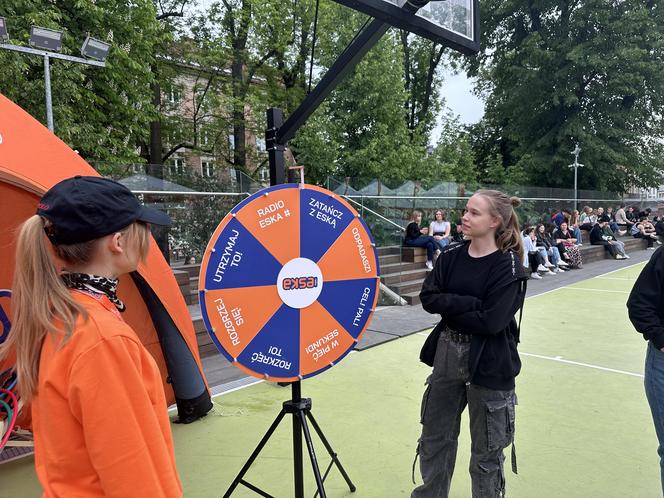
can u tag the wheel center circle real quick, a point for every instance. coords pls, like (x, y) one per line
(299, 283)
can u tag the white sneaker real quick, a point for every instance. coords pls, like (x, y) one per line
(560, 270)
(541, 268)
(536, 276)
(562, 263)
(620, 256)
(659, 242)
(549, 265)
(549, 272)
(626, 256)
(622, 232)
(429, 265)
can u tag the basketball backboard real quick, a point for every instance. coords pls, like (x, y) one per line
(454, 23)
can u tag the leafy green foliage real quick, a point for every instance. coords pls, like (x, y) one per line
(560, 72)
(101, 112)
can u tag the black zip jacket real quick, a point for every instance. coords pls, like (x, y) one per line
(543, 241)
(494, 360)
(412, 231)
(646, 301)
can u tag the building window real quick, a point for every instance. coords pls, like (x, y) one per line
(205, 137)
(260, 144)
(176, 167)
(231, 142)
(174, 95)
(207, 168)
(264, 174)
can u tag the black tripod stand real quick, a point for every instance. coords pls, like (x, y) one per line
(301, 410)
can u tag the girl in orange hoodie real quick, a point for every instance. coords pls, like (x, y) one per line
(99, 421)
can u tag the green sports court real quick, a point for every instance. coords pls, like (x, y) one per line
(583, 424)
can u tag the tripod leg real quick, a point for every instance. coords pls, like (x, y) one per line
(253, 456)
(312, 453)
(329, 449)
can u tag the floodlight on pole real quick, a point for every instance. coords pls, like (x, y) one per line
(48, 42)
(48, 39)
(4, 35)
(95, 49)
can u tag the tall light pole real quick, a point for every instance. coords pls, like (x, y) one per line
(44, 39)
(576, 165)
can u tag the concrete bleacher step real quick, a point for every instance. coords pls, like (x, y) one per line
(404, 274)
(388, 250)
(413, 254)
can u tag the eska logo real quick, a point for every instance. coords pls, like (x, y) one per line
(299, 283)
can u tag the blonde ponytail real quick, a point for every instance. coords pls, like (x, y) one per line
(508, 236)
(39, 299)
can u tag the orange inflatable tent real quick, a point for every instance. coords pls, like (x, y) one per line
(32, 160)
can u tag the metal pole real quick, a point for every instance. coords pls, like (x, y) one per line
(47, 89)
(298, 473)
(576, 197)
(275, 119)
(47, 71)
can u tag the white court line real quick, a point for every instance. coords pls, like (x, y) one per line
(560, 359)
(587, 365)
(617, 278)
(601, 275)
(568, 287)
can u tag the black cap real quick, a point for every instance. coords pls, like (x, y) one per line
(85, 208)
(604, 218)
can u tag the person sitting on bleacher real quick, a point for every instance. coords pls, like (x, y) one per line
(573, 224)
(645, 230)
(631, 214)
(559, 217)
(439, 229)
(531, 256)
(563, 236)
(611, 235)
(457, 233)
(659, 227)
(612, 224)
(597, 238)
(621, 218)
(587, 219)
(544, 241)
(418, 237)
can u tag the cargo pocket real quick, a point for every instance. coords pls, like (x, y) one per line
(425, 399)
(499, 423)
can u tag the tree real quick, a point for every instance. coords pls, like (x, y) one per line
(103, 113)
(422, 79)
(452, 159)
(560, 72)
(360, 131)
(232, 36)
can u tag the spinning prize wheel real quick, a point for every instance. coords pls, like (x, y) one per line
(288, 282)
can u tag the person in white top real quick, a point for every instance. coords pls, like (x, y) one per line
(440, 229)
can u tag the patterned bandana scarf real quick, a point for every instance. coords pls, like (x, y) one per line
(93, 283)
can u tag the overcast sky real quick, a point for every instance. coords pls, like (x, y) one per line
(457, 91)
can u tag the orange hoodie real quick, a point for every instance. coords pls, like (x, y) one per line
(99, 417)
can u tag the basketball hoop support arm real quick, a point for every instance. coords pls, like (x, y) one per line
(278, 132)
